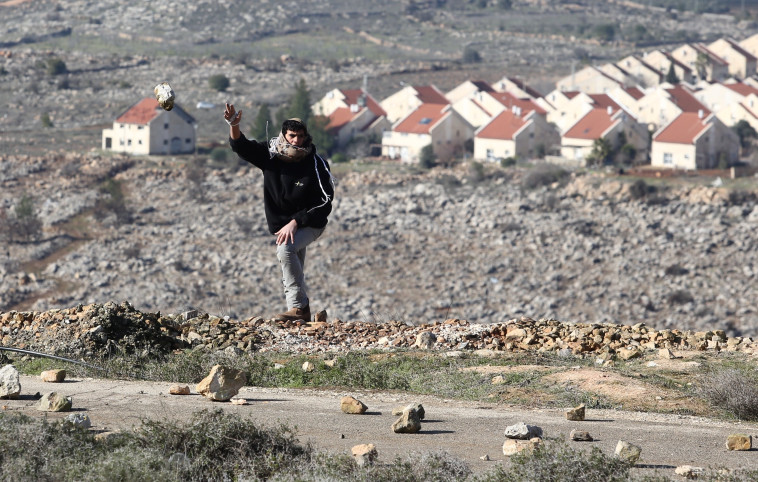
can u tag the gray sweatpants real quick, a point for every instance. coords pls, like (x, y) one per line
(292, 260)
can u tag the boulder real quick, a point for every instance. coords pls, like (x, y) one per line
(513, 446)
(580, 436)
(739, 441)
(522, 431)
(417, 406)
(10, 383)
(352, 405)
(576, 414)
(425, 340)
(628, 452)
(689, 472)
(179, 390)
(409, 422)
(364, 454)
(53, 376)
(221, 384)
(308, 366)
(54, 402)
(81, 420)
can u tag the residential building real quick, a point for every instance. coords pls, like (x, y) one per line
(643, 74)
(351, 112)
(694, 141)
(706, 64)
(145, 128)
(662, 61)
(467, 90)
(741, 63)
(517, 87)
(622, 76)
(437, 125)
(409, 98)
(614, 125)
(557, 104)
(664, 103)
(718, 95)
(521, 131)
(590, 80)
(750, 45)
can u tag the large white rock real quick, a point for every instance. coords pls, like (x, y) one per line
(221, 384)
(10, 384)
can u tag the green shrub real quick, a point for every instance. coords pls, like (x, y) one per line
(471, 56)
(508, 162)
(25, 226)
(56, 66)
(339, 157)
(45, 120)
(543, 175)
(219, 154)
(219, 82)
(640, 189)
(427, 158)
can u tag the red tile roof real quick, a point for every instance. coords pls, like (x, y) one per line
(482, 85)
(340, 117)
(714, 58)
(742, 89)
(429, 94)
(685, 100)
(352, 96)
(635, 92)
(684, 129)
(140, 113)
(504, 126)
(571, 93)
(592, 125)
(521, 85)
(509, 100)
(603, 101)
(422, 119)
(738, 48)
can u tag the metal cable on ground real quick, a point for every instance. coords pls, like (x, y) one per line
(54, 357)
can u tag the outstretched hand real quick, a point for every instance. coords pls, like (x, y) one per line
(287, 233)
(233, 118)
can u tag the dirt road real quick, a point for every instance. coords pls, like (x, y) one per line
(467, 430)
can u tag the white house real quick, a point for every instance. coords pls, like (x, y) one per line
(145, 128)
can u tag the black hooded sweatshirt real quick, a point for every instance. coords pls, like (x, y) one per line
(291, 190)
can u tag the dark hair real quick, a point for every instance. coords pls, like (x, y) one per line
(294, 125)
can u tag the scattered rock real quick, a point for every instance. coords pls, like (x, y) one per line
(425, 340)
(53, 376)
(416, 406)
(409, 422)
(179, 390)
(666, 354)
(522, 431)
(308, 366)
(10, 383)
(576, 414)
(330, 363)
(81, 420)
(320, 317)
(689, 472)
(580, 436)
(485, 457)
(238, 401)
(513, 446)
(739, 441)
(364, 454)
(221, 384)
(352, 405)
(53, 402)
(628, 452)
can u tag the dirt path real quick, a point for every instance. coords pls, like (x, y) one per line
(468, 430)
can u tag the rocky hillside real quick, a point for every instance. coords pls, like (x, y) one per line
(416, 247)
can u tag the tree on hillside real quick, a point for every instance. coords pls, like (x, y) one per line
(601, 151)
(746, 133)
(299, 106)
(218, 82)
(261, 122)
(470, 55)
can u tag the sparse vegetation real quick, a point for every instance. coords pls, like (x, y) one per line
(219, 82)
(427, 158)
(112, 201)
(734, 389)
(24, 226)
(543, 175)
(56, 66)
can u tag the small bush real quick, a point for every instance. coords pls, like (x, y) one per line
(219, 154)
(219, 82)
(543, 175)
(639, 189)
(56, 66)
(732, 389)
(557, 462)
(508, 162)
(45, 120)
(427, 158)
(680, 297)
(25, 226)
(471, 56)
(113, 201)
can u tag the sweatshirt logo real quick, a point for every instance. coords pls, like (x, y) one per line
(299, 184)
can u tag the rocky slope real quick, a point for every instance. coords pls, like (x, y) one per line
(414, 247)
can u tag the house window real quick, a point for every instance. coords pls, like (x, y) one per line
(165, 126)
(668, 158)
(165, 142)
(129, 142)
(188, 141)
(139, 128)
(139, 142)
(490, 155)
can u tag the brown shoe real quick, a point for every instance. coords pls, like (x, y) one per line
(294, 314)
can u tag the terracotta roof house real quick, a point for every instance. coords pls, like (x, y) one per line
(718, 95)
(694, 141)
(706, 64)
(615, 125)
(521, 131)
(741, 62)
(351, 112)
(557, 104)
(745, 110)
(750, 45)
(467, 89)
(642, 73)
(473, 102)
(409, 98)
(437, 125)
(517, 87)
(145, 128)
(620, 74)
(590, 79)
(661, 105)
(662, 61)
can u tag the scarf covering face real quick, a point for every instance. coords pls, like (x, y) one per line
(287, 152)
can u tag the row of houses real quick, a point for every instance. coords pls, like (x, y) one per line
(628, 104)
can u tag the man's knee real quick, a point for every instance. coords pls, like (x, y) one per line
(285, 251)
